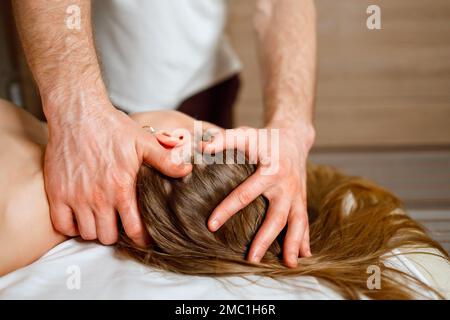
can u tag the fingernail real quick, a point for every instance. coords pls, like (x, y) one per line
(214, 225)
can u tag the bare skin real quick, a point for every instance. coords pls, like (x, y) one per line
(82, 120)
(26, 230)
(286, 42)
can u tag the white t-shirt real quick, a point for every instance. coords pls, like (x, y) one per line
(155, 54)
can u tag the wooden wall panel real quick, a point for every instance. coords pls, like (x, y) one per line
(375, 88)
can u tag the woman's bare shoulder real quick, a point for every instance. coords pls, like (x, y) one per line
(164, 119)
(10, 113)
(14, 119)
(168, 120)
(26, 232)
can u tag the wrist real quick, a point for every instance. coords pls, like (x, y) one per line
(74, 102)
(303, 130)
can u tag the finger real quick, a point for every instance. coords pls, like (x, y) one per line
(162, 159)
(63, 220)
(106, 223)
(238, 199)
(305, 247)
(86, 224)
(274, 222)
(132, 220)
(294, 236)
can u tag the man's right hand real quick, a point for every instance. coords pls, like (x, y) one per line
(94, 151)
(91, 162)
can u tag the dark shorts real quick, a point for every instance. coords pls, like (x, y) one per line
(214, 104)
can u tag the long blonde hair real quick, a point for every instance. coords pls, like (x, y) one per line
(344, 241)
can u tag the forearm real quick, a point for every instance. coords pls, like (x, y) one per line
(286, 38)
(61, 55)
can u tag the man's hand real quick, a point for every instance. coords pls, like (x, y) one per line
(91, 162)
(282, 180)
(286, 43)
(94, 151)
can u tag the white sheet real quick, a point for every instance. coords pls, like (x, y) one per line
(104, 274)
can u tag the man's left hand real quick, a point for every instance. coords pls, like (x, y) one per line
(281, 179)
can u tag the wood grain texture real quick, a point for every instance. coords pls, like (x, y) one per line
(420, 178)
(437, 223)
(381, 87)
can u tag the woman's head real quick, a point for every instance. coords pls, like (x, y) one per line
(345, 240)
(176, 211)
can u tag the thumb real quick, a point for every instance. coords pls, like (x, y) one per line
(167, 161)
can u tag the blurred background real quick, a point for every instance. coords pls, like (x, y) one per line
(383, 96)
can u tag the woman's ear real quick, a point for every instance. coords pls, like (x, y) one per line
(168, 141)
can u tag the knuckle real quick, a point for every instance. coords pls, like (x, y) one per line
(279, 221)
(133, 231)
(79, 197)
(122, 178)
(123, 184)
(59, 226)
(270, 195)
(282, 189)
(122, 194)
(58, 222)
(101, 213)
(302, 219)
(88, 235)
(244, 197)
(275, 191)
(265, 181)
(292, 246)
(289, 185)
(64, 228)
(98, 197)
(124, 205)
(108, 239)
